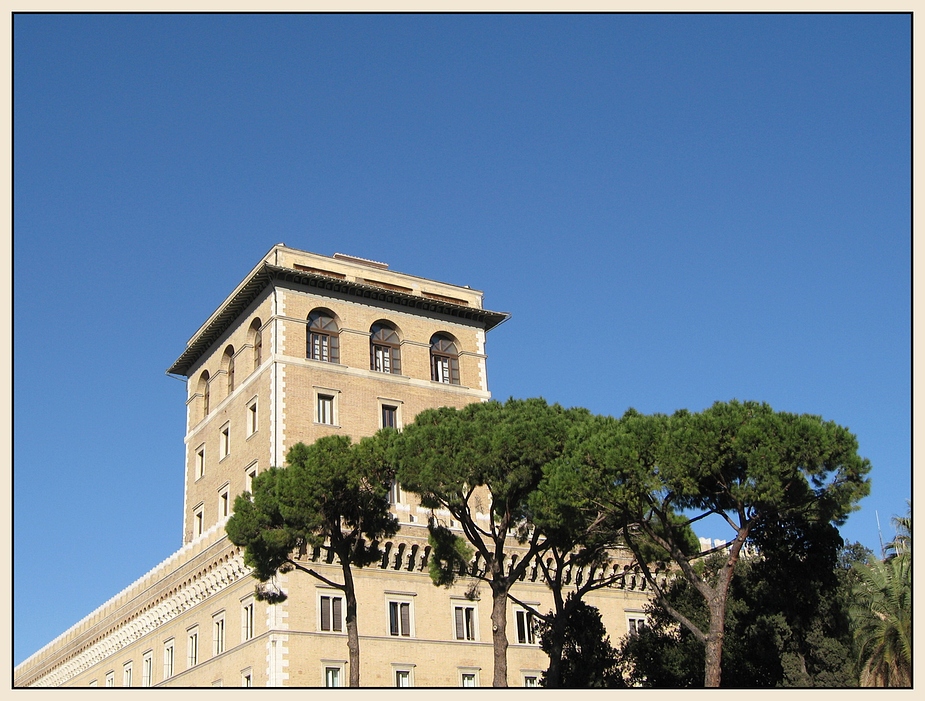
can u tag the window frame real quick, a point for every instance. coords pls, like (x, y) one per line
(326, 334)
(224, 501)
(147, 669)
(127, 674)
(247, 677)
(199, 520)
(253, 417)
(224, 441)
(340, 666)
(471, 631)
(250, 474)
(530, 637)
(635, 621)
(200, 462)
(328, 597)
(394, 602)
(405, 669)
(248, 618)
(384, 352)
(110, 679)
(331, 395)
(463, 672)
(440, 356)
(218, 633)
(170, 660)
(192, 646)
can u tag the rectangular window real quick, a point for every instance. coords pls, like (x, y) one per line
(526, 627)
(402, 677)
(252, 418)
(464, 618)
(198, 521)
(394, 492)
(332, 613)
(325, 409)
(382, 359)
(332, 676)
(147, 669)
(247, 620)
(218, 634)
(110, 679)
(224, 506)
(224, 442)
(217, 682)
(127, 674)
(192, 647)
(389, 416)
(168, 659)
(93, 682)
(400, 618)
(634, 624)
(467, 679)
(531, 680)
(249, 476)
(247, 677)
(200, 461)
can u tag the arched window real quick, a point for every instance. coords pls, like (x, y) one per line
(256, 338)
(321, 338)
(444, 360)
(204, 391)
(228, 367)
(384, 348)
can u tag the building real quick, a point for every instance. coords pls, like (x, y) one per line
(307, 346)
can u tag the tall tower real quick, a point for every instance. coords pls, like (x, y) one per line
(308, 346)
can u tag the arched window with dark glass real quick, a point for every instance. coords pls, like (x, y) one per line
(204, 391)
(384, 348)
(444, 360)
(228, 367)
(256, 339)
(321, 342)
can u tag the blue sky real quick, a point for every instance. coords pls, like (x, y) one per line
(674, 209)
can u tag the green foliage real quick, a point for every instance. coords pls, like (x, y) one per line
(588, 658)
(882, 613)
(449, 556)
(786, 622)
(332, 494)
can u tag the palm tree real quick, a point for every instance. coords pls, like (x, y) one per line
(882, 613)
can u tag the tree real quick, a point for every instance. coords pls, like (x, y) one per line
(742, 462)
(786, 623)
(588, 660)
(486, 458)
(332, 495)
(882, 613)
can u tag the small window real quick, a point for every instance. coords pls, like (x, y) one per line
(247, 678)
(526, 627)
(464, 622)
(224, 505)
(224, 442)
(192, 647)
(634, 624)
(321, 341)
(93, 683)
(252, 418)
(198, 521)
(394, 492)
(332, 677)
(325, 408)
(331, 613)
(531, 680)
(204, 391)
(200, 461)
(147, 669)
(249, 476)
(168, 659)
(247, 619)
(256, 341)
(218, 634)
(444, 360)
(468, 678)
(400, 618)
(402, 677)
(110, 679)
(389, 416)
(384, 348)
(228, 367)
(127, 674)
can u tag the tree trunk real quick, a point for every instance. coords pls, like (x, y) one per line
(353, 634)
(713, 659)
(499, 632)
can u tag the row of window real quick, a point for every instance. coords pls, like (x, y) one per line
(323, 343)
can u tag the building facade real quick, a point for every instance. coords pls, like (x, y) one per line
(308, 346)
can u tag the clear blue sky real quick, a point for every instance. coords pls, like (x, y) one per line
(674, 209)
